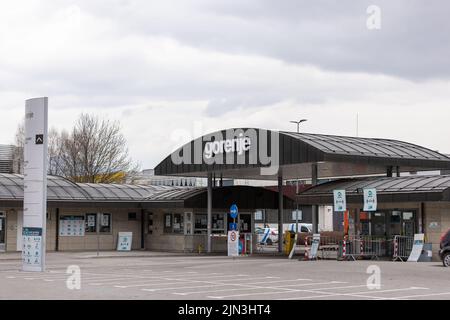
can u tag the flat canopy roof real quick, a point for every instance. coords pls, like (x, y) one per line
(336, 156)
(414, 188)
(61, 191)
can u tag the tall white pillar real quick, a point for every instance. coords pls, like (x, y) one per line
(35, 185)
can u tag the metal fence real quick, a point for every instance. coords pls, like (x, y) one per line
(355, 247)
(402, 247)
(328, 247)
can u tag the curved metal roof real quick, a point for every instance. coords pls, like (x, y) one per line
(335, 156)
(436, 185)
(367, 147)
(61, 189)
(177, 194)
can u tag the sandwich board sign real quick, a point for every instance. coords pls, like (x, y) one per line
(314, 246)
(370, 199)
(35, 185)
(124, 241)
(417, 247)
(233, 243)
(340, 202)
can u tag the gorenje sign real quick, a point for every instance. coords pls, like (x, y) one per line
(257, 148)
(238, 145)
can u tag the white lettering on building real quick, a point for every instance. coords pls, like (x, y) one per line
(239, 144)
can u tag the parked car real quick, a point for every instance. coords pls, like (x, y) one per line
(271, 239)
(444, 253)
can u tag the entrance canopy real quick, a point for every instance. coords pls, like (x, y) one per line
(252, 153)
(389, 189)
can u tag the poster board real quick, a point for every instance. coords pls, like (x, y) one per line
(71, 226)
(124, 241)
(417, 248)
(314, 246)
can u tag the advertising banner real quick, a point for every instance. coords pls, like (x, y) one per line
(370, 199)
(340, 202)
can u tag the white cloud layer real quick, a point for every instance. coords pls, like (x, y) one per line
(162, 66)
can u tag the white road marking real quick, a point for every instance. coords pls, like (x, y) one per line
(141, 284)
(249, 287)
(420, 296)
(361, 294)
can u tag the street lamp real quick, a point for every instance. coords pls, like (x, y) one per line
(298, 123)
(297, 186)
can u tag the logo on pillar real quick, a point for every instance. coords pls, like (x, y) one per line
(39, 139)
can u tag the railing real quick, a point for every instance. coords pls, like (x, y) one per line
(402, 247)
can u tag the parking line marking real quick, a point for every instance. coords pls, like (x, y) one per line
(249, 287)
(172, 279)
(420, 295)
(361, 294)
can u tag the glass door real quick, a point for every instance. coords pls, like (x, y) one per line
(2, 232)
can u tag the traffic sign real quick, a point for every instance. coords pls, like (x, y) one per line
(233, 211)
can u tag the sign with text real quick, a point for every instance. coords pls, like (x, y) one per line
(35, 184)
(71, 226)
(124, 241)
(32, 248)
(233, 243)
(370, 199)
(340, 202)
(417, 247)
(314, 246)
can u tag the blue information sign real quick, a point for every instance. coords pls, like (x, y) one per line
(233, 211)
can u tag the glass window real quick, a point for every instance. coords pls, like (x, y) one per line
(258, 215)
(91, 222)
(178, 223)
(200, 222)
(297, 214)
(408, 215)
(168, 223)
(395, 217)
(218, 223)
(105, 222)
(132, 216)
(150, 222)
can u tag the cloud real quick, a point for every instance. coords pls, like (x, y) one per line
(162, 66)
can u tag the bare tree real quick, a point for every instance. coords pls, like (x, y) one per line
(19, 141)
(94, 151)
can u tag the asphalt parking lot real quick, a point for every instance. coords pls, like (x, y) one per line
(166, 276)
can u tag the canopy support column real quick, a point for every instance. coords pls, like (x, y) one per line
(280, 212)
(314, 208)
(209, 212)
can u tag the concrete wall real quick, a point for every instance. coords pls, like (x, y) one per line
(108, 241)
(436, 222)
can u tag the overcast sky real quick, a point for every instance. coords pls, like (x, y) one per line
(170, 70)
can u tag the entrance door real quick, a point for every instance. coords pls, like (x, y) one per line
(2, 232)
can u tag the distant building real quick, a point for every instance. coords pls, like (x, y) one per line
(7, 159)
